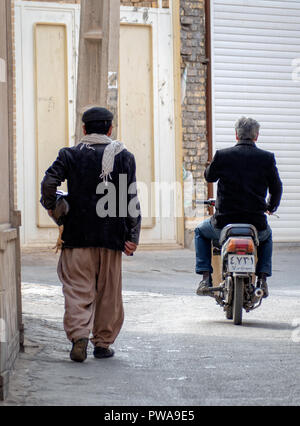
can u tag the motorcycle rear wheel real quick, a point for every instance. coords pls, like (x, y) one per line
(238, 300)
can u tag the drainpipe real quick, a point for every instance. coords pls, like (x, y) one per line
(209, 126)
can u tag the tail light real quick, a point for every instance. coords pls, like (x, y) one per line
(240, 246)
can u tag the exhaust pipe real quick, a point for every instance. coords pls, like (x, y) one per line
(257, 295)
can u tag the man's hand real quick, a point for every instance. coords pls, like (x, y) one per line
(130, 248)
(272, 214)
(50, 213)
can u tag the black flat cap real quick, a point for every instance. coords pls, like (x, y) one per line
(97, 114)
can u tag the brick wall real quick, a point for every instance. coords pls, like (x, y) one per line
(195, 145)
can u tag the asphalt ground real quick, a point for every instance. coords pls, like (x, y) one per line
(175, 349)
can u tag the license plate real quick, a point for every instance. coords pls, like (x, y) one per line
(241, 263)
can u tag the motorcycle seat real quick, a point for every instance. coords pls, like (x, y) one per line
(239, 230)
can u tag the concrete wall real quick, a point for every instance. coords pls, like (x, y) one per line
(10, 301)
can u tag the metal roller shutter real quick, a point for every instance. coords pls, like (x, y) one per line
(255, 47)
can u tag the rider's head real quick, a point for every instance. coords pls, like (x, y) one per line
(247, 128)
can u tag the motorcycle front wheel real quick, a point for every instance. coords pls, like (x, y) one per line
(238, 300)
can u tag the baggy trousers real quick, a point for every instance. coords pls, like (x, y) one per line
(92, 287)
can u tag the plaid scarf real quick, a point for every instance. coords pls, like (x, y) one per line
(113, 148)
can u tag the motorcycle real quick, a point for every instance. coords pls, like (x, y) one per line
(234, 262)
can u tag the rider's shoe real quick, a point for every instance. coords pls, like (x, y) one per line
(204, 285)
(262, 284)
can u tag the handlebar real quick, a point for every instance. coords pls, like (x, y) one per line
(211, 202)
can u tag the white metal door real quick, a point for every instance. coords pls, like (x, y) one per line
(256, 51)
(161, 225)
(32, 20)
(147, 116)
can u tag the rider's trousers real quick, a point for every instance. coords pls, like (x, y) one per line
(206, 232)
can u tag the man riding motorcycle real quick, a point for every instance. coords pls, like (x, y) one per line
(244, 174)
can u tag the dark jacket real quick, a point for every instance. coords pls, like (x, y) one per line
(83, 227)
(244, 173)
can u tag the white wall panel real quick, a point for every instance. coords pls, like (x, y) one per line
(254, 43)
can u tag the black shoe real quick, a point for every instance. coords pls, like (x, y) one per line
(204, 286)
(100, 352)
(262, 284)
(79, 350)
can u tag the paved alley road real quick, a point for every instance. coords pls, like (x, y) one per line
(175, 348)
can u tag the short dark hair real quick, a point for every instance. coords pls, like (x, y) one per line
(100, 127)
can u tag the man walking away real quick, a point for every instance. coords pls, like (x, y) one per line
(101, 177)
